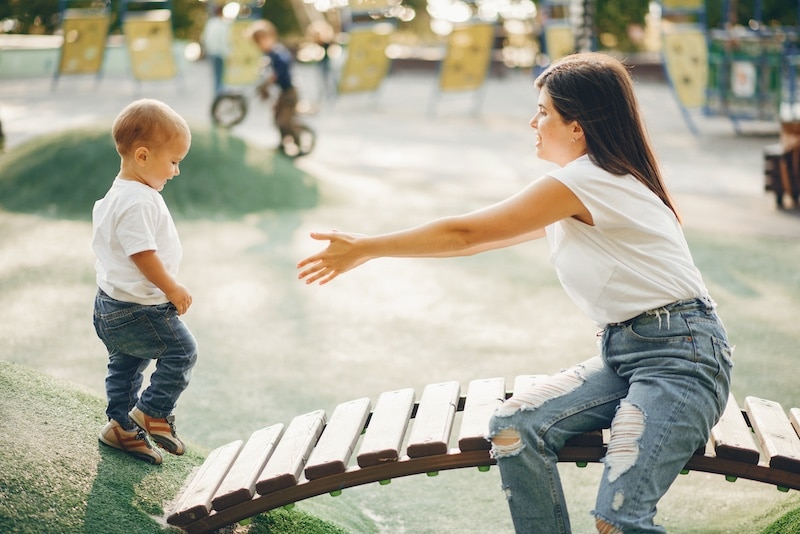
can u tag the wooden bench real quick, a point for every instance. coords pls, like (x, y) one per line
(782, 173)
(280, 465)
(782, 164)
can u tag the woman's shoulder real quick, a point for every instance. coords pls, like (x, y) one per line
(582, 170)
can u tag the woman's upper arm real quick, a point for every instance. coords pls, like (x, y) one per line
(525, 215)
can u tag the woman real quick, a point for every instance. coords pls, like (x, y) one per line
(663, 374)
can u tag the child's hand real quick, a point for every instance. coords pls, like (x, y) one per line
(263, 90)
(153, 269)
(181, 298)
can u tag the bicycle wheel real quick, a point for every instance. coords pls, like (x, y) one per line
(228, 109)
(300, 144)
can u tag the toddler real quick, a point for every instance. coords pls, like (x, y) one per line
(139, 300)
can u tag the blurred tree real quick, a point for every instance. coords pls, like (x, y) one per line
(281, 14)
(614, 18)
(773, 12)
(41, 16)
(30, 16)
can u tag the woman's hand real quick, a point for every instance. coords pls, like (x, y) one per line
(338, 257)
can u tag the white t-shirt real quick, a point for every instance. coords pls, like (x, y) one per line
(216, 37)
(131, 218)
(635, 258)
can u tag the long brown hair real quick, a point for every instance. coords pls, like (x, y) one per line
(596, 90)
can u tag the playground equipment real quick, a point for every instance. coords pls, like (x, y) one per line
(558, 31)
(369, 26)
(466, 62)
(742, 73)
(147, 25)
(315, 454)
(85, 31)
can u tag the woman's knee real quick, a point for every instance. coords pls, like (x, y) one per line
(506, 442)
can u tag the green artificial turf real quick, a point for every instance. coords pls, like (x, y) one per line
(62, 175)
(57, 478)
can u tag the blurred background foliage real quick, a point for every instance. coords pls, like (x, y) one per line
(615, 18)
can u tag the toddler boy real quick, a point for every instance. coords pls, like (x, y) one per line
(139, 301)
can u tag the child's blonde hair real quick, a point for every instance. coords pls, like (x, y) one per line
(260, 29)
(146, 122)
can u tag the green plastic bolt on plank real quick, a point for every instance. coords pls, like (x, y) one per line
(288, 506)
(684, 471)
(336, 493)
(433, 473)
(581, 464)
(385, 482)
(484, 468)
(783, 489)
(731, 478)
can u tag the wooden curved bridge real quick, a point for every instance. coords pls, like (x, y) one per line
(279, 465)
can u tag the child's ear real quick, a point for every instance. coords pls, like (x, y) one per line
(140, 155)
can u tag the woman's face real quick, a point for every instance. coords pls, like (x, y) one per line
(556, 140)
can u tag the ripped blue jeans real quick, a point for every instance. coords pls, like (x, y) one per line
(660, 383)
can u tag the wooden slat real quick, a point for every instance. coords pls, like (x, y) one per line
(387, 428)
(195, 503)
(483, 398)
(774, 432)
(732, 437)
(284, 467)
(332, 453)
(240, 483)
(794, 417)
(434, 421)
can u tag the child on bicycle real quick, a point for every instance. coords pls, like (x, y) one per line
(265, 36)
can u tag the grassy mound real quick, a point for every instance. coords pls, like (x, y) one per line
(788, 524)
(57, 478)
(61, 175)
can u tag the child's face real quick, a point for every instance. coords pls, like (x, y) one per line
(159, 165)
(265, 42)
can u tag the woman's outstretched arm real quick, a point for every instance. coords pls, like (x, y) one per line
(519, 218)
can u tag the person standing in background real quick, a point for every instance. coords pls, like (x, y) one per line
(216, 43)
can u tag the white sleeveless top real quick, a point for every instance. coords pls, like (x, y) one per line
(635, 258)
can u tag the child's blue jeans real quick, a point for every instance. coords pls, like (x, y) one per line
(660, 383)
(134, 335)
